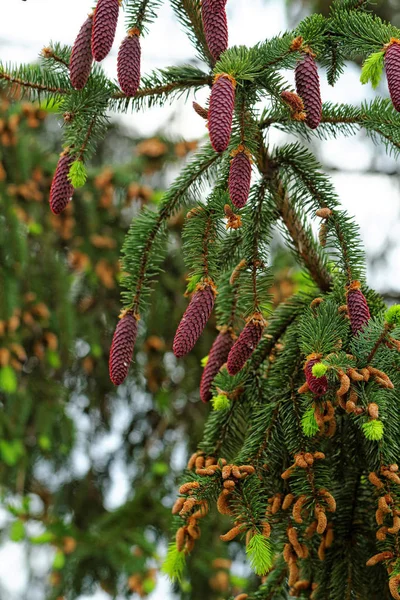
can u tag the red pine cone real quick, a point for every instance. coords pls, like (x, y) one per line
(244, 346)
(194, 320)
(104, 27)
(129, 63)
(392, 66)
(318, 385)
(81, 60)
(218, 5)
(308, 88)
(217, 357)
(240, 178)
(61, 190)
(220, 114)
(357, 308)
(121, 352)
(215, 28)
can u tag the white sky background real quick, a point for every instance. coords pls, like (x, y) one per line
(25, 27)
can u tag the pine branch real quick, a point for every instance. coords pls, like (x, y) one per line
(34, 81)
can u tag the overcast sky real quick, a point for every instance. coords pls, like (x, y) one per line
(374, 199)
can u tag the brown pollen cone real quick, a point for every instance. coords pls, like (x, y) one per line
(61, 188)
(217, 357)
(128, 63)
(81, 60)
(220, 114)
(202, 112)
(215, 28)
(240, 177)
(104, 28)
(357, 307)
(392, 66)
(318, 385)
(246, 343)
(121, 352)
(194, 320)
(308, 88)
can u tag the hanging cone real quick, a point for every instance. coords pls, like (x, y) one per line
(392, 66)
(308, 88)
(104, 28)
(215, 28)
(202, 112)
(61, 190)
(246, 343)
(121, 352)
(240, 177)
(217, 357)
(318, 385)
(129, 63)
(357, 307)
(194, 320)
(220, 114)
(81, 60)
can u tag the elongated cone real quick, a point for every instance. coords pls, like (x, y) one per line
(220, 114)
(61, 190)
(121, 352)
(194, 320)
(104, 28)
(240, 178)
(215, 28)
(129, 63)
(217, 357)
(318, 385)
(218, 5)
(392, 66)
(245, 345)
(357, 307)
(308, 88)
(81, 56)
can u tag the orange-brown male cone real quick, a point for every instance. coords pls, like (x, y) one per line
(104, 27)
(61, 188)
(240, 178)
(245, 345)
(194, 320)
(215, 27)
(357, 307)
(121, 352)
(81, 56)
(217, 357)
(308, 88)
(220, 113)
(392, 66)
(129, 56)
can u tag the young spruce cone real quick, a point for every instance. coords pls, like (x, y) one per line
(194, 320)
(121, 352)
(104, 27)
(215, 28)
(81, 60)
(308, 88)
(220, 114)
(129, 63)
(392, 66)
(246, 343)
(318, 385)
(217, 357)
(357, 307)
(61, 188)
(240, 177)
(218, 5)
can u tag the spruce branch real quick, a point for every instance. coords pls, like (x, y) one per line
(189, 15)
(140, 13)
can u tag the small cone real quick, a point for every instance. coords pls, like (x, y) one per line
(202, 112)
(129, 56)
(245, 345)
(81, 56)
(218, 5)
(392, 66)
(121, 352)
(104, 28)
(318, 385)
(240, 178)
(217, 357)
(308, 88)
(357, 308)
(61, 190)
(220, 114)
(194, 320)
(215, 28)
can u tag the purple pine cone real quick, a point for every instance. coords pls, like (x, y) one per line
(308, 88)
(121, 352)
(357, 308)
(194, 320)
(392, 66)
(104, 27)
(81, 60)
(240, 179)
(129, 63)
(61, 190)
(245, 345)
(217, 357)
(215, 28)
(220, 114)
